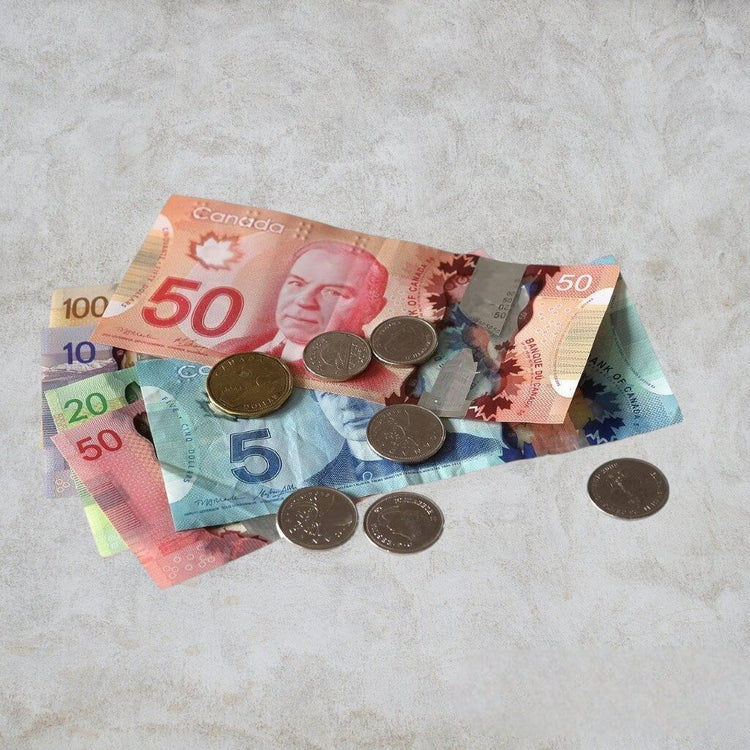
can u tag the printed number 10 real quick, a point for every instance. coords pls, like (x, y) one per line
(84, 352)
(239, 450)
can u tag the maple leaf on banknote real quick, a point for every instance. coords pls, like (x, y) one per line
(604, 430)
(604, 412)
(513, 383)
(449, 282)
(459, 268)
(506, 378)
(487, 408)
(602, 402)
(580, 410)
(516, 443)
(214, 252)
(407, 393)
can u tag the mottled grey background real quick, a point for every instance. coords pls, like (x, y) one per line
(541, 131)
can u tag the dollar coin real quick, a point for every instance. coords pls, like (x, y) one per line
(249, 384)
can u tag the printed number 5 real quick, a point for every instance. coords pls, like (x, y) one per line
(239, 450)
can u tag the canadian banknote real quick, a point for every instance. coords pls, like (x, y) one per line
(113, 456)
(213, 279)
(68, 356)
(218, 469)
(60, 347)
(82, 401)
(79, 305)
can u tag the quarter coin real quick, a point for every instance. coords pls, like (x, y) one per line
(317, 518)
(337, 355)
(249, 384)
(628, 488)
(406, 433)
(404, 341)
(404, 522)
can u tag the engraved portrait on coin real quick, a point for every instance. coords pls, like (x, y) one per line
(404, 341)
(403, 522)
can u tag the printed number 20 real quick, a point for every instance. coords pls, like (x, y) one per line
(239, 450)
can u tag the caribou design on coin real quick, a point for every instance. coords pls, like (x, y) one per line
(628, 488)
(406, 433)
(317, 518)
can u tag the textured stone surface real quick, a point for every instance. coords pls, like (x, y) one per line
(541, 131)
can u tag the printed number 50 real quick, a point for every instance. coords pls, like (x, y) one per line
(182, 306)
(108, 440)
(569, 281)
(239, 450)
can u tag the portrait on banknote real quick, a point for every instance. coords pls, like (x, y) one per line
(329, 286)
(357, 461)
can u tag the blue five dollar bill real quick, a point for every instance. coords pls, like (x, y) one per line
(221, 470)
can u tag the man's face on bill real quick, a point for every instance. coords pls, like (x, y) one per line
(348, 416)
(324, 291)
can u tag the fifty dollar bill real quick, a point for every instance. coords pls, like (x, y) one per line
(214, 279)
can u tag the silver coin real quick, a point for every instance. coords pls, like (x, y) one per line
(317, 518)
(337, 355)
(406, 433)
(404, 522)
(628, 488)
(404, 341)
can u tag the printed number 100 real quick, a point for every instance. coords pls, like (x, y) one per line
(80, 307)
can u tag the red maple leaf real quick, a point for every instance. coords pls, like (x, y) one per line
(405, 393)
(489, 408)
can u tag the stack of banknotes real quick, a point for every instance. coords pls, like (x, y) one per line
(531, 360)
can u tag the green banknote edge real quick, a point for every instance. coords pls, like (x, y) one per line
(106, 538)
